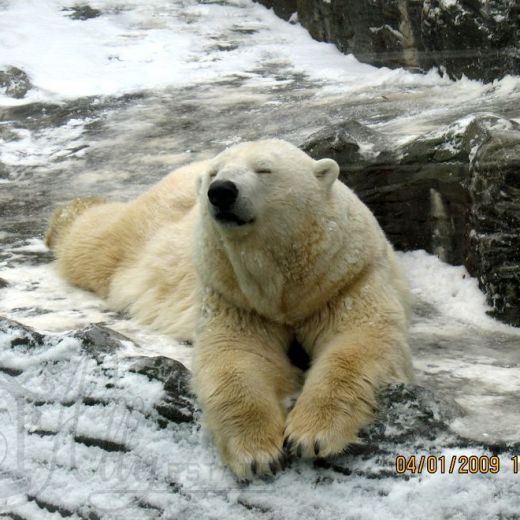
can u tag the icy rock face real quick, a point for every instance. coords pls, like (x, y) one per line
(283, 8)
(382, 33)
(476, 38)
(14, 82)
(493, 254)
(453, 192)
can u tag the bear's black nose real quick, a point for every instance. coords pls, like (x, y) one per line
(222, 194)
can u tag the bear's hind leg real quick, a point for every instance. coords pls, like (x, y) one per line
(90, 240)
(63, 217)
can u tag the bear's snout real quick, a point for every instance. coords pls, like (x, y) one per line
(222, 194)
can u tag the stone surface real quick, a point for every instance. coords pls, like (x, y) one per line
(384, 33)
(453, 192)
(178, 403)
(283, 8)
(493, 253)
(14, 82)
(475, 38)
(82, 12)
(86, 434)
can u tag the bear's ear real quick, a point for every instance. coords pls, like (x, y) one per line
(326, 171)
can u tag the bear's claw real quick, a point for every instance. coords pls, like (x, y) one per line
(260, 467)
(319, 429)
(316, 448)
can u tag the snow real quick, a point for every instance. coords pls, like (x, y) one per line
(134, 46)
(60, 307)
(55, 414)
(450, 289)
(37, 148)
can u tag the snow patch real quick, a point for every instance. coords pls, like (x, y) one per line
(134, 46)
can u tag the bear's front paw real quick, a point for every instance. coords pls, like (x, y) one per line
(252, 445)
(322, 427)
(253, 452)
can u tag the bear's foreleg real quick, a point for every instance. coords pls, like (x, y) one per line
(340, 391)
(241, 375)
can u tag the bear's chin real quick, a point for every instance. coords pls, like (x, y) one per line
(231, 219)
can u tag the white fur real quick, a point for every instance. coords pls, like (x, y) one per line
(311, 263)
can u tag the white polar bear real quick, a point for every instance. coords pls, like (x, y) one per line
(273, 248)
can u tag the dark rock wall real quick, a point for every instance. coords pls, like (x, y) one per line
(283, 8)
(476, 38)
(454, 192)
(379, 32)
(493, 252)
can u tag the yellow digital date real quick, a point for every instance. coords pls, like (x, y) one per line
(462, 464)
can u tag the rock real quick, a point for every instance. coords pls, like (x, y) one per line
(384, 34)
(14, 82)
(283, 8)
(4, 172)
(7, 135)
(408, 415)
(493, 253)
(178, 405)
(104, 345)
(453, 192)
(3, 283)
(476, 38)
(21, 337)
(82, 12)
(98, 340)
(410, 411)
(412, 420)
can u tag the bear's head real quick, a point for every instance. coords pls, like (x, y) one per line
(268, 181)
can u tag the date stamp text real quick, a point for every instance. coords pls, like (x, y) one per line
(462, 464)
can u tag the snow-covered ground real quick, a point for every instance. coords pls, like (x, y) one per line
(138, 45)
(118, 101)
(81, 437)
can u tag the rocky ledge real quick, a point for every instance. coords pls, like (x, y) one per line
(475, 38)
(89, 433)
(454, 192)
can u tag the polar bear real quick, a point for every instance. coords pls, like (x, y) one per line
(243, 254)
